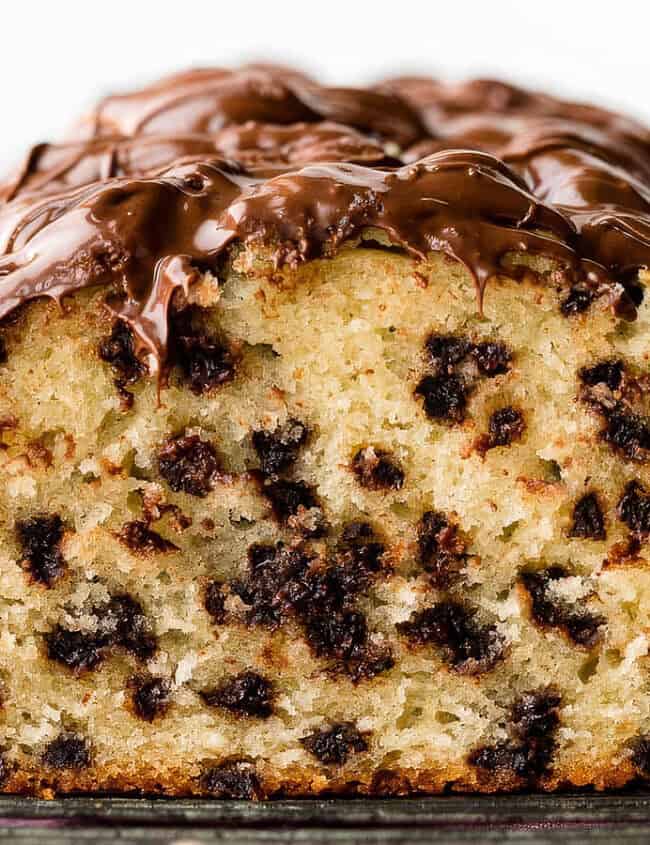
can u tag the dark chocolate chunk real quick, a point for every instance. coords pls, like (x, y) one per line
(246, 694)
(506, 425)
(466, 645)
(359, 557)
(275, 582)
(441, 550)
(492, 359)
(290, 500)
(333, 745)
(118, 350)
(534, 721)
(204, 362)
(278, 449)
(140, 539)
(628, 432)
(580, 625)
(234, 779)
(339, 634)
(150, 696)
(369, 663)
(536, 714)
(40, 537)
(609, 373)
(215, 601)
(624, 430)
(445, 397)
(75, 649)
(446, 350)
(3, 351)
(122, 622)
(189, 464)
(588, 519)
(577, 300)
(377, 469)
(634, 508)
(320, 595)
(67, 751)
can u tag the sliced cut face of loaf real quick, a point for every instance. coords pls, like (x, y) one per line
(328, 470)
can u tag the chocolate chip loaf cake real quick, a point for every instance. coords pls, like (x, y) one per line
(325, 439)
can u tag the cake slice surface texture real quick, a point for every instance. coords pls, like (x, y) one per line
(325, 442)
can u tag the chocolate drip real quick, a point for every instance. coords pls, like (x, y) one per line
(159, 183)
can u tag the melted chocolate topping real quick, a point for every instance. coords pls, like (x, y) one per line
(155, 185)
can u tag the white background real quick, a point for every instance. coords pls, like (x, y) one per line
(57, 56)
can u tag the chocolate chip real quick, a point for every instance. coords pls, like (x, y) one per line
(118, 350)
(588, 519)
(445, 397)
(342, 635)
(369, 663)
(466, 645)
(506, 425)
(624, 430)
(189, 464)
(376, 469)
(578, 300)
(3, 351)
(246, 694)
(67, 751)
(122, 622)
(215, 601)
(503, 755)
(140, 539)
(609, 373)
(150, 696)
(204, 362)
(75, 649)
(534, 721)
(358, 561)
(359, 557)
(536, 714)
(290, 501)
(492, 359)
(634, 508)
(333, 745)
(275, 583)
(207, 364)
(581, 626)
(278, 449)
(629, 433)
(441, 550)
(339, 634)
(446, 350)
(235, 779)
(283, 582)
(641, 755)
(40, 537)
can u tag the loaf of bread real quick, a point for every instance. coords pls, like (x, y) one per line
(324, 443)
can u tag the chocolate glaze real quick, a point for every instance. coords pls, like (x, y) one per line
(155, 185)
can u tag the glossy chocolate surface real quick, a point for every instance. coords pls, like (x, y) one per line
(154, 186)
